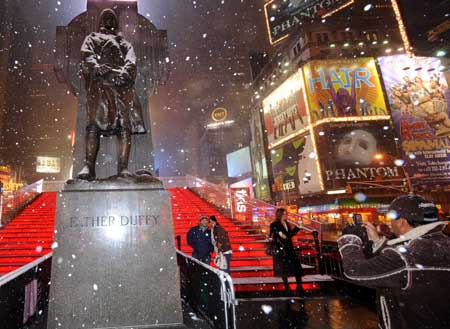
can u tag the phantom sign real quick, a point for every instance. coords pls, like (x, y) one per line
(282, 15)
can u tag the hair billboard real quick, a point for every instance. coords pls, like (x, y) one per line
(285, 110)
(420, 103)
(356, 152)
(343, 88)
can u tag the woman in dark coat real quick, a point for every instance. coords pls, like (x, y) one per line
(285, 261)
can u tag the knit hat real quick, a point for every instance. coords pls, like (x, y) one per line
(414, 208)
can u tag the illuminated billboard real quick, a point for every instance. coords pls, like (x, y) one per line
(5, 173)
(420, 103)
(285, 112)
(355, 152)
(284, 15)
(48, 165)
(259, 160)
(294, 168)
(239, 162)
(343, 88)
(219, 114)
(240, 204)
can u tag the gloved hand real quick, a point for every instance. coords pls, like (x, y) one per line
(361, 232)
(122, 81)
(358, 230)
(102, 69)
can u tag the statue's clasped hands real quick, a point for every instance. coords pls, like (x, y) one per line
(102, 69)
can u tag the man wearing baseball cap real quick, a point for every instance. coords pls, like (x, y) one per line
(411, 273)
(199, 238)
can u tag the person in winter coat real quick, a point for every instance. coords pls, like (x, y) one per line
(410, 273)
(199, 238)
(285, 260)
(221, 241)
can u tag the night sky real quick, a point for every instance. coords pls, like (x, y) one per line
(209, 47)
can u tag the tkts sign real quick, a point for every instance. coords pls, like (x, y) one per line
(283, 15)
(240, 198)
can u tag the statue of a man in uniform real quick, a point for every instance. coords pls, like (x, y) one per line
(113, 108)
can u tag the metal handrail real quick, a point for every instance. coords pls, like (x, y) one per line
(227, 294)
(200, 185)
(14, 201)
(16, 273)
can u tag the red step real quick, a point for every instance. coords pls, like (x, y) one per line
(28, 236)
(249, 260)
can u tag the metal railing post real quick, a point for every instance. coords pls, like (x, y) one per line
(227, 295)
(178, 238)
(319, 251)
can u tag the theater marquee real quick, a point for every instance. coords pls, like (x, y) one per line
(282, 15)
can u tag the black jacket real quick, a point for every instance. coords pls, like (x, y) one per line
(200, 241)
(285, 259)
(411, 275)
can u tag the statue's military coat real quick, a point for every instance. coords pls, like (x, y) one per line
(111, 105)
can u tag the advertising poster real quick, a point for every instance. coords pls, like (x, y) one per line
(348, 152)
(283, 15)
(239, 163)
(285, 109)
(259, 161)
(343, 88)
(48, 165)
(294, 169)
(420, 103)
(240, 198)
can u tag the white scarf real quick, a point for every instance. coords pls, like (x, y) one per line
(416, 232)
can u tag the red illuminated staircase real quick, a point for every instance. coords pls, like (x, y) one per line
(29, 236)
(251, 268)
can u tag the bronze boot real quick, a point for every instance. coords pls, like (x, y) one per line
(124, 148)
(92, 146)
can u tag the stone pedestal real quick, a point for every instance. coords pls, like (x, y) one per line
(115, 263)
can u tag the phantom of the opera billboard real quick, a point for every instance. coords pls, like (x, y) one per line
(420, 103)
(294, 168)
(343, 88)
(348, 152)
(283, 15)
(285, 109)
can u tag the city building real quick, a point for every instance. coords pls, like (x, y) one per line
(331, 151)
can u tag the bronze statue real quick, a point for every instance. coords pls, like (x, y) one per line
(113, 108)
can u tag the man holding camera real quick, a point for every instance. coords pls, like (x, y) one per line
(411, 272)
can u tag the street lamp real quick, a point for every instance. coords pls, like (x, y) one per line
(398, 163)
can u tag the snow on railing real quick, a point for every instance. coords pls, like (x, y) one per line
(208, 290)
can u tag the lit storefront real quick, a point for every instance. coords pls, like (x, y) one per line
(338, 215)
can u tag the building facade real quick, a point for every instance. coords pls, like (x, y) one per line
(332, 131)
